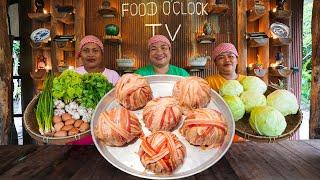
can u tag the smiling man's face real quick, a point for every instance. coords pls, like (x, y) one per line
(159, 54)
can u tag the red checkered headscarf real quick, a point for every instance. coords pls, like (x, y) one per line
(89, 39)
(222, 48)
(158, 38)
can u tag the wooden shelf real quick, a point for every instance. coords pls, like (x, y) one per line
(256, 12)
(280, 14)
(284, 73)
(280, 41)
(195, 68)
(126, 69)
(257, 42)
(107, 12)
(206, 39)
(114, 40)
(65, 45)
(41, 46)
(41, 17)
(217, 8)
(257, 72)
(66, 18)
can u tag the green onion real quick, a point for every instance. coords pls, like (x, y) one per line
(44, 111)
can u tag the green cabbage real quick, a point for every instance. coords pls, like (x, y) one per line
(68, 86)
(267, 121)
(236, 106)
(252, 83)
(284, 101)
(252, 99)
(231, 88)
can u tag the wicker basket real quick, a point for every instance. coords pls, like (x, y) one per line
(31, 125)
(244, 130)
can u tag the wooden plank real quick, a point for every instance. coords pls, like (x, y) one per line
(12, 155)
(222, 170)
(241, 30)
(5, 76)
(314, 143)
(79, 157)
(244, 158)
(283, 162)
(38, 162)
(315, 82)
(304, 151)
(98, 167)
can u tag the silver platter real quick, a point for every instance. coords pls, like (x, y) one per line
(127, 159)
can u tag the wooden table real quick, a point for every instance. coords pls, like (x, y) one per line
(248, 160)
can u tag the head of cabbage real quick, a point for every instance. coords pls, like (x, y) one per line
(267, 121)
(252, 99)
(284, 101)
(253, 83)
(236, 106)
(231, 88)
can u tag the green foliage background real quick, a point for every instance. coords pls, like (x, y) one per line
(307, 52)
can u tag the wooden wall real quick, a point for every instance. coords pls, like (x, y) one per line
(135, 34)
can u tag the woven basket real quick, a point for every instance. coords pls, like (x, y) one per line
(244, 130)
(31, 125)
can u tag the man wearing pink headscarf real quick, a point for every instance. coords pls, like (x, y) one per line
(160, 55)
(91, 53)
(225, 57)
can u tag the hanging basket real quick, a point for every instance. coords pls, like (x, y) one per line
(31, 125)
(244, 130)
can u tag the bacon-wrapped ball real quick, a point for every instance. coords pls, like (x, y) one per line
(162, 114)
(133, 91)
(192, 92)
(204, 127)
(161, 152)
(117, 127)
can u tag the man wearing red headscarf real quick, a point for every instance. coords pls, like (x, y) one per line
(160, 55)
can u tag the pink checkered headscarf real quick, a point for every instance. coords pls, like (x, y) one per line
(222, 48)
(158, 38)
(89, 39)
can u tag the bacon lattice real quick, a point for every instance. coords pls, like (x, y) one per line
(162, 114)
(118, 127)
(133, 91)
(161, 152)
(204, 127)
(192, 92)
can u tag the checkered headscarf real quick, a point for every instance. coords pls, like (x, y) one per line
(89, 39)
(158, 38)
(222, 48)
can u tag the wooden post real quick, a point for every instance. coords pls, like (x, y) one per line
(315, 83)
(5, 76)
(79, 25)
(242, 42)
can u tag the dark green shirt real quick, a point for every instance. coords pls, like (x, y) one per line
(173, 70)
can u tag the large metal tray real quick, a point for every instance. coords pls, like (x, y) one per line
(127, 159)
